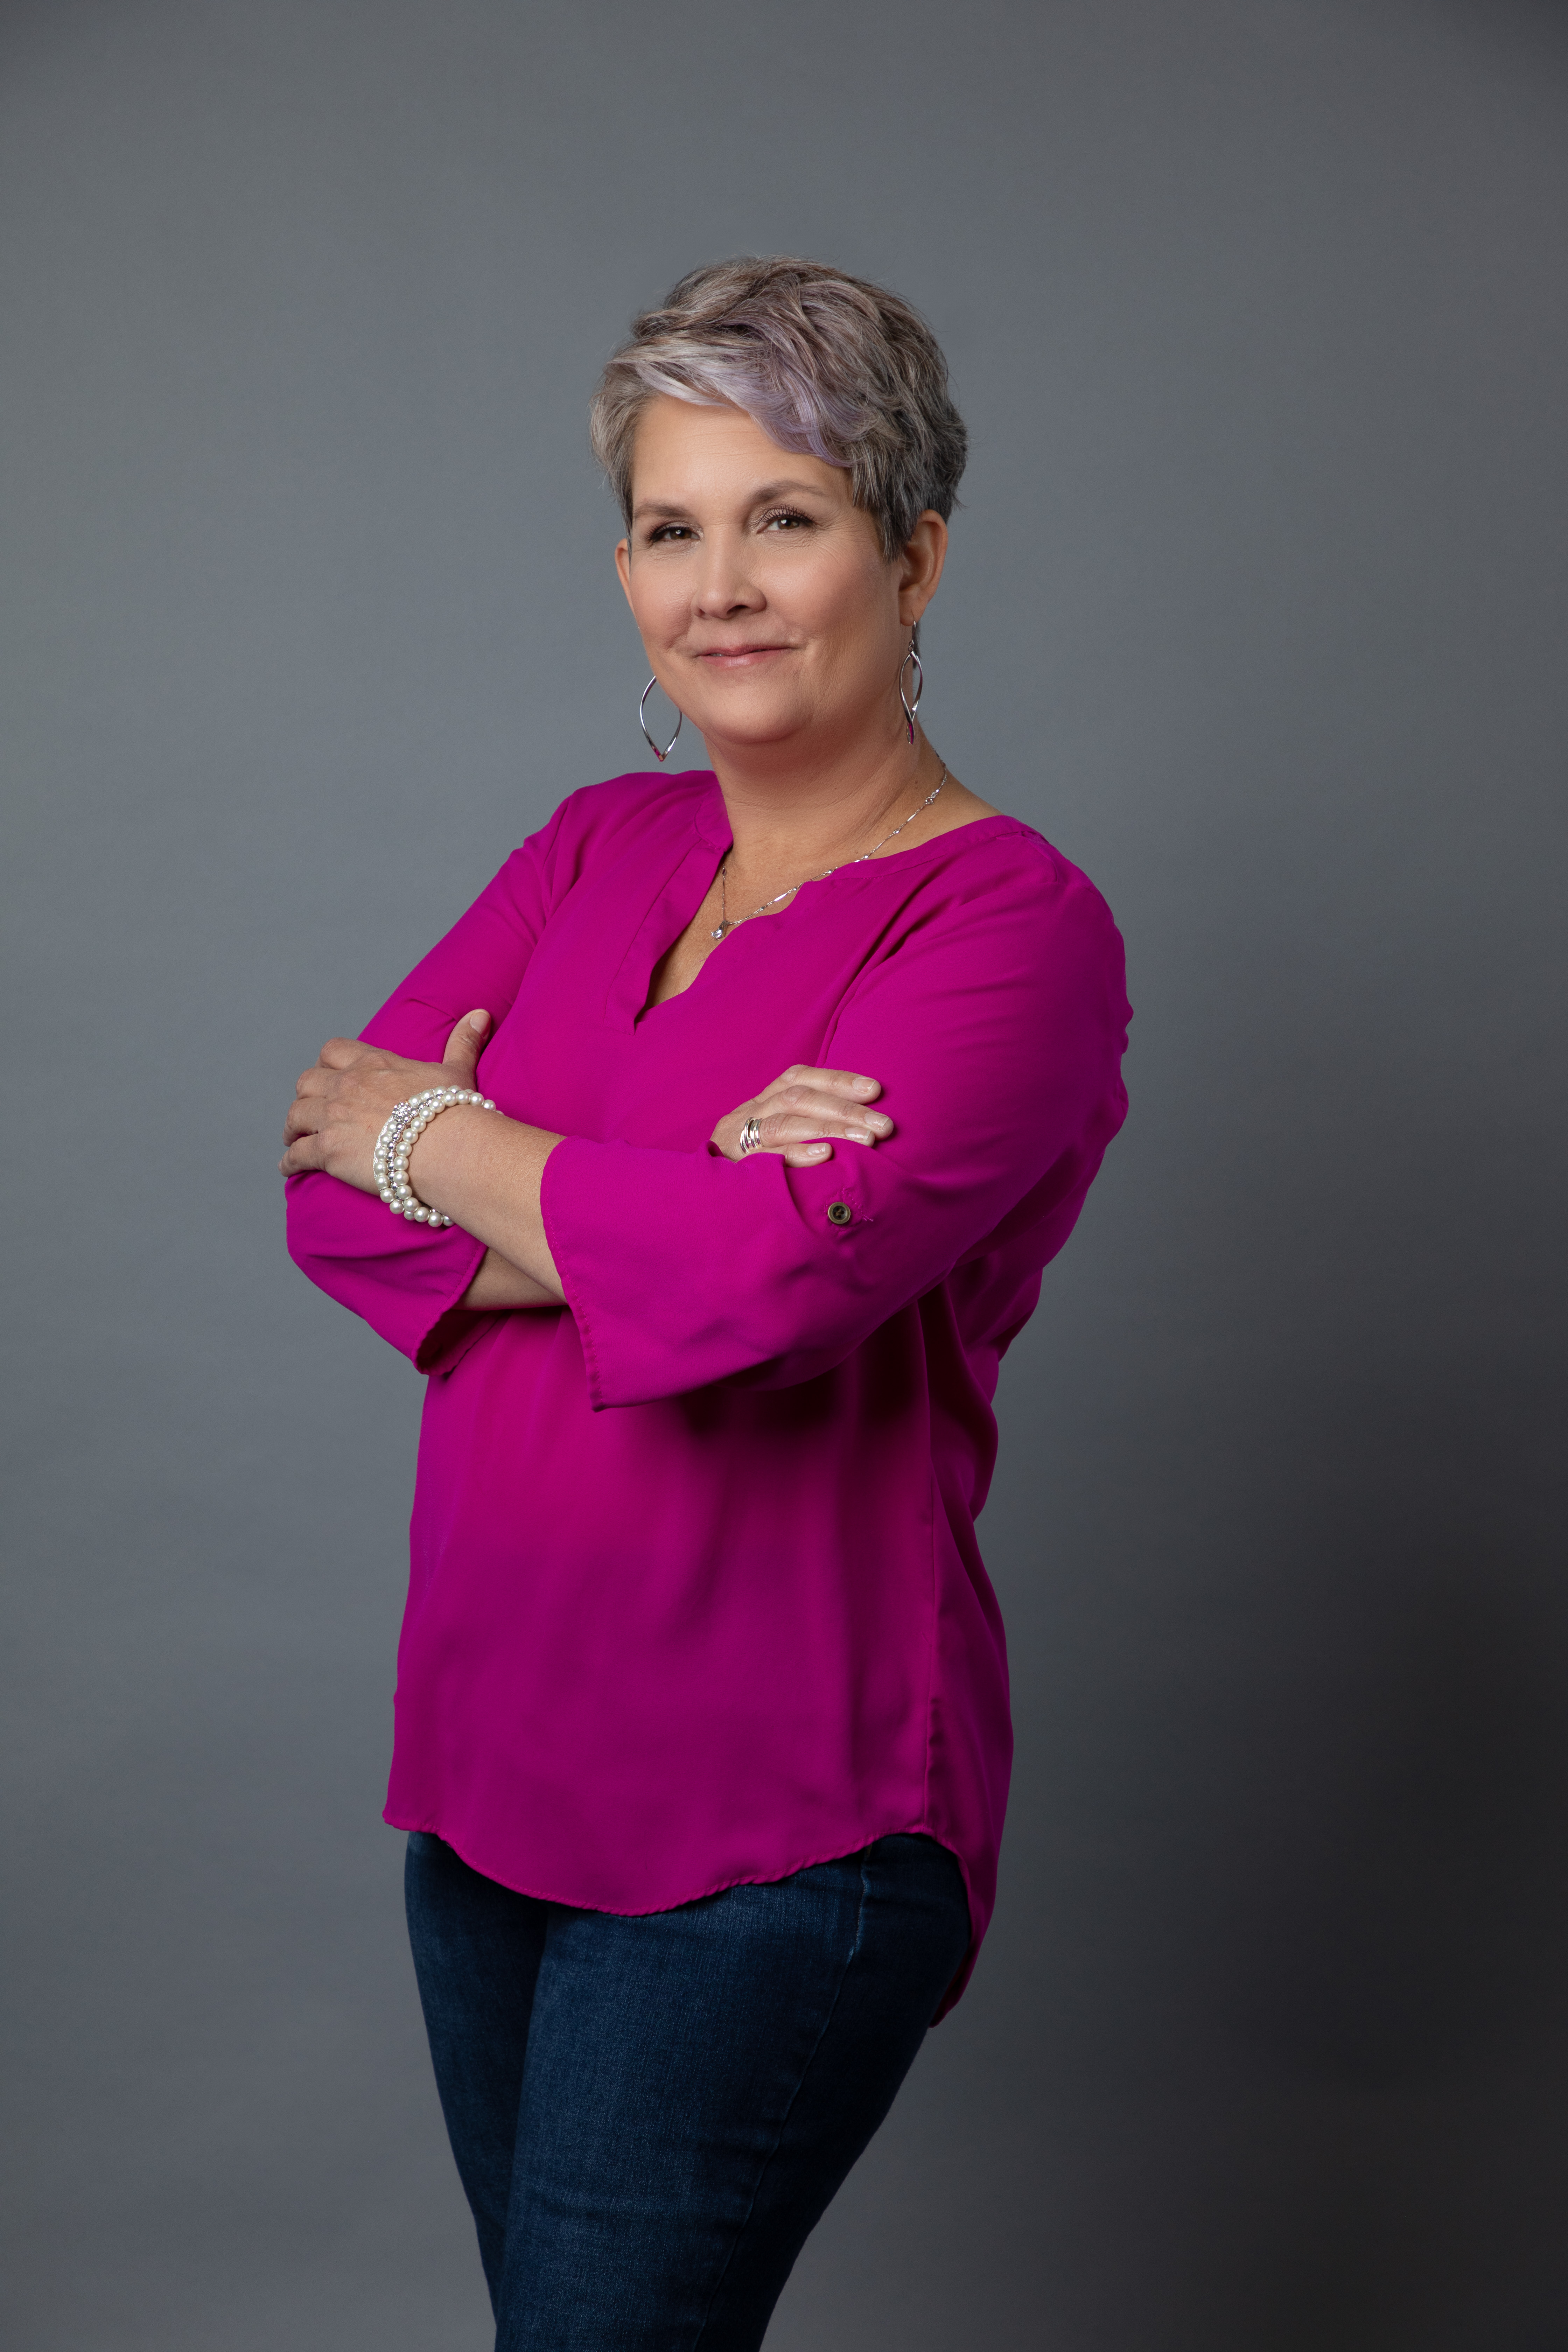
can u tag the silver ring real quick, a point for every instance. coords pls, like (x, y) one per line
(751, 1136)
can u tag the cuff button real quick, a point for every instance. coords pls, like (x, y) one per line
(839, 1211)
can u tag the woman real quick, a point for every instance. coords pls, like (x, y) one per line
(747, 1106)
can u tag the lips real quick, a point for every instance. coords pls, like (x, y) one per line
(727, 654)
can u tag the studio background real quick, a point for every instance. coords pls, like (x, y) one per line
(1256, 313)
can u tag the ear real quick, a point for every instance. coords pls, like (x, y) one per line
(624, 565)
(920, 566)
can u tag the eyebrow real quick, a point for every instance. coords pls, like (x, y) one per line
(646, 507)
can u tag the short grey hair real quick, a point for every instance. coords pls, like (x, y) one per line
(823, 362)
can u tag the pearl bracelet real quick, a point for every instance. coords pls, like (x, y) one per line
(397, 1138)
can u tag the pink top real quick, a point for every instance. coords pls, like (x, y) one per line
(696, 1597)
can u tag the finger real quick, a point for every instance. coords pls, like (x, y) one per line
(777, 1130)
(463, 1045)
(306, 1151)
(828, 1111)
(807, 1155)
(821, 1102)
(303, 1119)
(849, 1082)
(342, 1053)
(842, 1082)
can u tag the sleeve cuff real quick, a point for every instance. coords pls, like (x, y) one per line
(451, 1329)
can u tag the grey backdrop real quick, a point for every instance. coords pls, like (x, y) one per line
(1255, 308)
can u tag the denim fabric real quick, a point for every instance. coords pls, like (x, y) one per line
(649, 2114)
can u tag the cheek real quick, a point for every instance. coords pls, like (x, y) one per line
(660, 602)
(854, 610)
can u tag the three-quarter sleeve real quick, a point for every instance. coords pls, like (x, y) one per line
(404, 1279)
(996, 1024)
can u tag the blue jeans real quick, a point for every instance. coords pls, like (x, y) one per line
(649, 2114)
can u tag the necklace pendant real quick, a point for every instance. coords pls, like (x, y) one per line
(720, 932)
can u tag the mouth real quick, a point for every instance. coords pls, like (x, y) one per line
(741, 657)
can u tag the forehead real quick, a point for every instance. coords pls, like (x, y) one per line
(685, 454)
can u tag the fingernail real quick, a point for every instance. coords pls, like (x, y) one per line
(817, 1150)
(478, 1020)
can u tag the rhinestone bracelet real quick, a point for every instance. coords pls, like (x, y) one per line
(397, 1138)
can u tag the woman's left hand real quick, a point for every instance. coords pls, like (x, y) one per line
(341, 1105)
(800, 1111)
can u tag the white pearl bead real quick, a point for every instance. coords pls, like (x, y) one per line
(395, 1144)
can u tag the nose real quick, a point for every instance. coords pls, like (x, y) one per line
(724, 585)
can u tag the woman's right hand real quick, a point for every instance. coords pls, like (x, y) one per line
(801, 1111)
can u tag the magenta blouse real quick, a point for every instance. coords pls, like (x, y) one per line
(695, 1597)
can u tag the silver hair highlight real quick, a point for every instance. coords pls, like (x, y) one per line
(827, 365)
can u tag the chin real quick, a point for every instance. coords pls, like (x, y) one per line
(750, 721)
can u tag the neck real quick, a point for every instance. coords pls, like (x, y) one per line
(783, 820)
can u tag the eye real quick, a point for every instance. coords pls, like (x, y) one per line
(783, 519)
(667, 532)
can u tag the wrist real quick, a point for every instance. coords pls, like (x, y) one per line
(402, 1135)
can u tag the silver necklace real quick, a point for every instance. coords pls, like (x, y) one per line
(725, 925)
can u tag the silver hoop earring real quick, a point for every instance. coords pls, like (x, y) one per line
(911, 708)
(662, 756)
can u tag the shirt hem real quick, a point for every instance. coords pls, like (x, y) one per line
(836, 1852)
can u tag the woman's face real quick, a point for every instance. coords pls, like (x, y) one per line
(767, 606)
